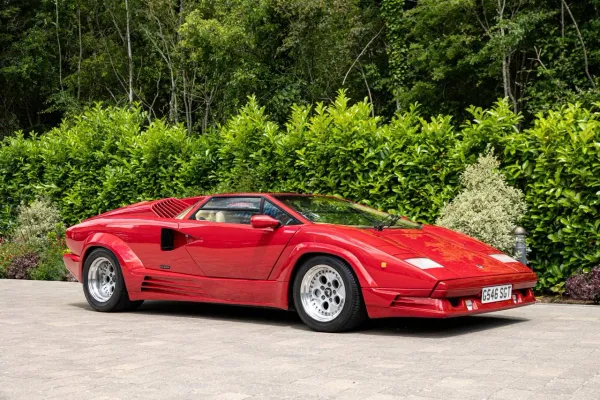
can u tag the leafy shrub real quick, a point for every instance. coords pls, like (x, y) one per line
(585, 286)
(487, 208)
(20, 267)
(557, 165)
(51, 266)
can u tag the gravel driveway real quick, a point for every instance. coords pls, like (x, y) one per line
(53, 346)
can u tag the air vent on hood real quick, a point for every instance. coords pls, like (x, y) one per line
(168, 208)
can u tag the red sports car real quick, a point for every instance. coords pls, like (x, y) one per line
(334, 261)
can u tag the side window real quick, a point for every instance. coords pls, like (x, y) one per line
(273, 211)
(231, 210)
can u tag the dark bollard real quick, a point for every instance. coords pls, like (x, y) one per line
(520, 245)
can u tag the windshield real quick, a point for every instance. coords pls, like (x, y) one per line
(328, 210)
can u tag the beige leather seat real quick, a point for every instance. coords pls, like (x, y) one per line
(220, 216)
(205, 215)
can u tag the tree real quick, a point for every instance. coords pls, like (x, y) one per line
(450, 54)
(197, 62)
(28, 65)
(219, 65)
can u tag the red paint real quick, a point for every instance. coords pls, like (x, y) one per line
(72, 262)
(253, 263)
(239, 251)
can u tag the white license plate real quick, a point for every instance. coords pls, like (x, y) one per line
(496, 293)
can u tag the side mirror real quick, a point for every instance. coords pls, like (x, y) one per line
(264, 221)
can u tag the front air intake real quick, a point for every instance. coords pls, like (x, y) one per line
(169, 208)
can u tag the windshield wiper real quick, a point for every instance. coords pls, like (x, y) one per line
(387, 221)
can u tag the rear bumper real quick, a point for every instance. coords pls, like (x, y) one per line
(73, 264)
(448, 299)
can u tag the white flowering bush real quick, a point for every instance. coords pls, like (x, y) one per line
(37, 223)
(487, 208)
(35, 247)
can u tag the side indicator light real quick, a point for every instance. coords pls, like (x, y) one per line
(383, 265)
(469, 305)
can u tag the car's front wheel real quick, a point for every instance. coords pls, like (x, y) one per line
(327, 295)
(103, 283)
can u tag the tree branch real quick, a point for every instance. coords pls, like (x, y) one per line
(538, 58)
(368, 91)
(361, 53)
(585, 57)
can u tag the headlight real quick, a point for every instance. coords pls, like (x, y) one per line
(423, 263)
(503, 258)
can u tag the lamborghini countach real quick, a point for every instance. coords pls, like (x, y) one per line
(333, 261)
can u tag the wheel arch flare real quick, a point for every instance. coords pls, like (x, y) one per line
(128, 260)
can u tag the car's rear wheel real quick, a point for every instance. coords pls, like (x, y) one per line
(327, 295)
(103, 283)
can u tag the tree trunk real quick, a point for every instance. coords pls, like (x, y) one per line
(585, 57)
(506, 81)
(188, 100)
(562, 20)
(129, 54)
(59, 50)
(80, 51)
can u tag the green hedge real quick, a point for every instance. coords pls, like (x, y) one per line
(557, 164)
(108, 157)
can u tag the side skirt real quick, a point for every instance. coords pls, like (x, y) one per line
(159, 285)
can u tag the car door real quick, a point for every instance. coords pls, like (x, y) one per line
(224, 244)
(143, 236)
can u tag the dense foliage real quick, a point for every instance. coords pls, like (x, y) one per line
(191, 61)
(196, 61)
(487, 208)
(557, 164)
(450, 54)
(108, 157)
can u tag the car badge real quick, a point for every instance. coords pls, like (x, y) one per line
(479, 266)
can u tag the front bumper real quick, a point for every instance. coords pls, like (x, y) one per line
(73, 264)
(448, 299)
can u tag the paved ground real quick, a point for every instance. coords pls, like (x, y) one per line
(53, 346)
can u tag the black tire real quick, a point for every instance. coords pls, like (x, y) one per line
(353, 310)
(119, 300)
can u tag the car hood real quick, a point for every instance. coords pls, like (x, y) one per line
(458, 253)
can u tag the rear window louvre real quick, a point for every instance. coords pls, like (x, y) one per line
(169, 208)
